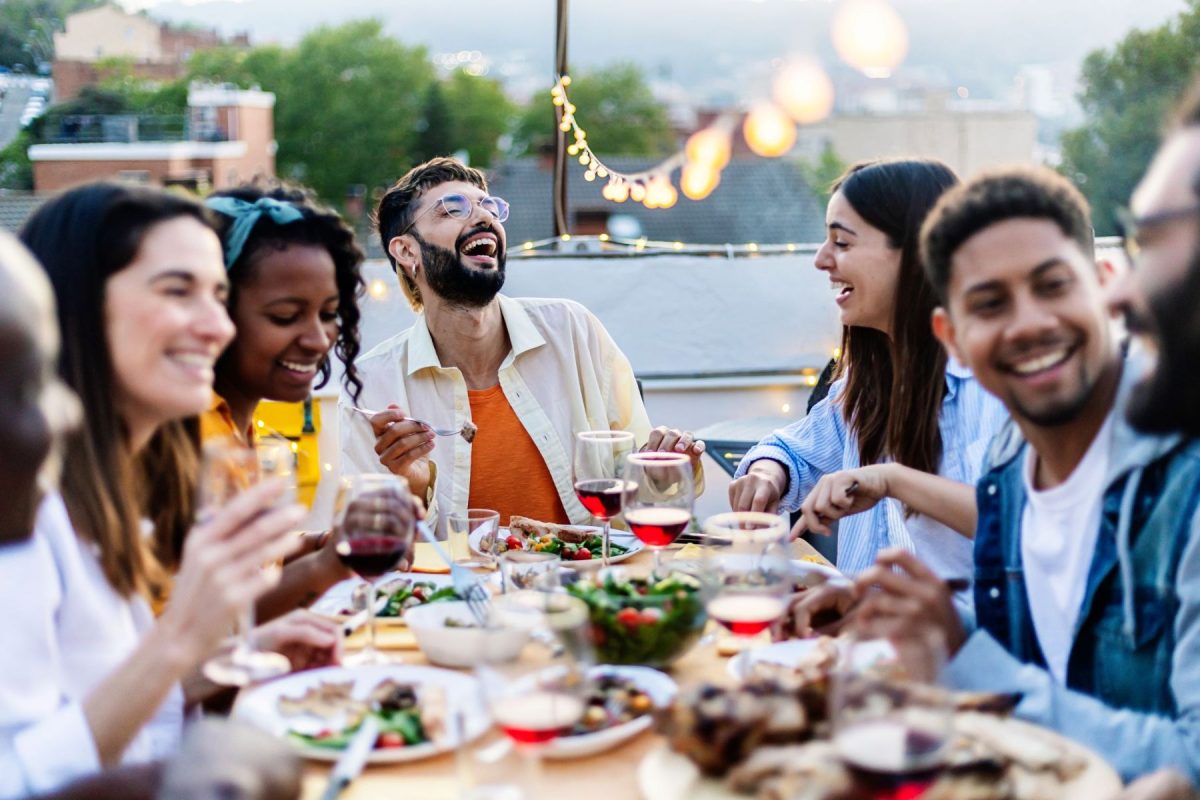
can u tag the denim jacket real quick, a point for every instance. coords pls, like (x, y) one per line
(1133, 675)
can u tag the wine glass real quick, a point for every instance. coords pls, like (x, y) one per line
(597, 470)
(228, 468)
(660, 507)
(540, 695)
(373, 527)
(889, 725)
(753, 574)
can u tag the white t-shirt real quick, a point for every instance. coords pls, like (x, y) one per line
(65, 629)
(1058, 539)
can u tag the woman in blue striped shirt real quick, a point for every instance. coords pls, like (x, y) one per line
(900, 413)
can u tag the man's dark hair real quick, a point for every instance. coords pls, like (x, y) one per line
(996, 196)
(395, 211)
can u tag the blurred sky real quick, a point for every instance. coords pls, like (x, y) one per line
(700, 43)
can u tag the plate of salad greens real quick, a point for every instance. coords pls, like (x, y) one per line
(403, 590)
(318, 711)
(587, 550)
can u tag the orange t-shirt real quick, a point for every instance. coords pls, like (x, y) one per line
(508, 473)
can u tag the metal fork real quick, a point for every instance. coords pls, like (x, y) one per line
(436, 431)
(468, 586)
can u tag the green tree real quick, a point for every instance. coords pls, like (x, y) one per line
(346, 101)
(480, 113)
(1126, 95)
(435, 132)
(821, 173)
(616, 108)
(16, 170)
(27, 29)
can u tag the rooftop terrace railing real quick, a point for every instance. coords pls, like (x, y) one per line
(127, 128)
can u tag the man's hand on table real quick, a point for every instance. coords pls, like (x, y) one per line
(672, 440)
(821, 611)
(403, 446)
(905, 602)
(760, 489)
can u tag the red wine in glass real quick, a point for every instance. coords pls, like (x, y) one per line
(371, 556)
(892, 758)
(537, 717)
(746, 614)
(658, 527)
(603, 497)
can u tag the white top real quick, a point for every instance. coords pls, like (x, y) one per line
(72, 631)
(1059, 528)
(564, 374)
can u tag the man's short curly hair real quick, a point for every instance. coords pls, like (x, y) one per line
(395, 210)
(996, 196)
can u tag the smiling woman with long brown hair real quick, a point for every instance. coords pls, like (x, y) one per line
(90, 678)
(897, 404)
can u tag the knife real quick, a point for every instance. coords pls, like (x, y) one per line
(351, 762)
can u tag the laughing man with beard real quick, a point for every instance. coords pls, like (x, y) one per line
(529, 373)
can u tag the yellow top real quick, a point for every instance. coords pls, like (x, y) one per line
(217, 421)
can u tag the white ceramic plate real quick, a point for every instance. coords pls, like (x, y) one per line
(259, 706)
(657, 685)
(340, 596)
(631, 543)
(793, 651)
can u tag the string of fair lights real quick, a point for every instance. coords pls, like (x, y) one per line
(869, 35)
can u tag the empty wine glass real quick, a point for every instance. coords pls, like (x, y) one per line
(599, 456)
(374, 523)
(659, 507)
(228, 468)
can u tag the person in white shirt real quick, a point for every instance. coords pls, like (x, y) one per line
(529, 373)
(89, 678)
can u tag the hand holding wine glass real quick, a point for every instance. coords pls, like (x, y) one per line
(220, 571)
(659, 508)
(229, 468)
(599, 484)
(374, 526)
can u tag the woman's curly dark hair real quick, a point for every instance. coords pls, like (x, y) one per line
(322, 227)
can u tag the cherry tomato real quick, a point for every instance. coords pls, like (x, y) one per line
(629, 616)
(390, 739)
(583, 554)
(419, 593)
(649, 616)
(513, 543)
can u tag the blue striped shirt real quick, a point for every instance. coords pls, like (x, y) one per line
(822, 443)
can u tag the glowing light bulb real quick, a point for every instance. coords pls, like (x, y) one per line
(709, 148)
(698, 181)
(377, 289)
(804, 91)
(619, 193)
(870, 36)
(769, 131)
(527, 246)
(785, 408)
(585, 159)
(565, 126)
(637, 192)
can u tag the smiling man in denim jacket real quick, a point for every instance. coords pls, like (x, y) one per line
(1087, 582)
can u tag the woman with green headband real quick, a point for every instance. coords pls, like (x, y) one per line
(294, 284)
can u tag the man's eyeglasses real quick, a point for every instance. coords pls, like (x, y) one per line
(459, 206)
(1134, 229)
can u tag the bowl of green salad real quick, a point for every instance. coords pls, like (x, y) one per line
(639, 617)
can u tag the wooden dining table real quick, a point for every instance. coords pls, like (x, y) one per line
(611, 775)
